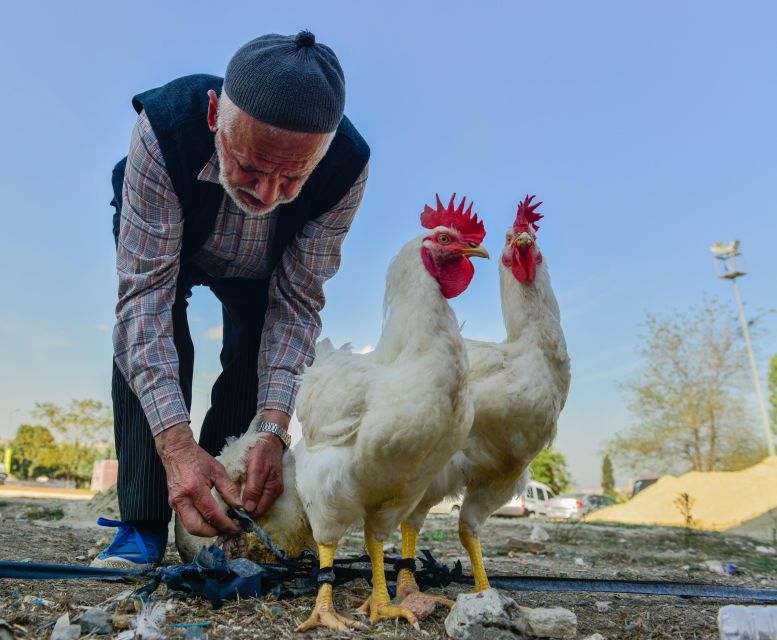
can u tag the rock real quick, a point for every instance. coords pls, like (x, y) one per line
(81, 558)
(487, 615)
(554, 622)
(195, 633)
(538, 534)
(767, 550)
(63, 630)
(716, 566)
(603, 606)
(579, 562)
(596, 636)
(95, 620)
(525, 546)
(421, 605)
(737, 622)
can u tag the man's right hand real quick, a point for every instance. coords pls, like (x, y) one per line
(191, 473)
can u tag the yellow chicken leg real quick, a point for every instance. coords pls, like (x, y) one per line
(379, 603)
(406, 583)
(324, 614)
(472, 544)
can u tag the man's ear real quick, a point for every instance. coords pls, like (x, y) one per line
(213, 108)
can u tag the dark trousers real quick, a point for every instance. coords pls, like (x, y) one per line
(142, 484)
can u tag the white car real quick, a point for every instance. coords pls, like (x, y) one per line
(530, 503)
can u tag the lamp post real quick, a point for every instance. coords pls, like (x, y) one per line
(726, 267)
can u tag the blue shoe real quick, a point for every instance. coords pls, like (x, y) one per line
(132, 548)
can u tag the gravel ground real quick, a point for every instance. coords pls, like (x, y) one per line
(55, 532)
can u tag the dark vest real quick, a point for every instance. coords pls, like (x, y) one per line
(177, 112)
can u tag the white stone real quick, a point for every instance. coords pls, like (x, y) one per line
(603, 606)
(95, 620)
(716, 566)
(538, 534)
(579, 562)
(63, 630)
(736, 622)
(485, 615)
(553, 622)
(489, 615)
(596, 636)
(767, 550)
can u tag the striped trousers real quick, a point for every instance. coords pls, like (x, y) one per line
(142, 484)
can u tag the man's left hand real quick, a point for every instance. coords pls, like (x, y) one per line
(264, 471)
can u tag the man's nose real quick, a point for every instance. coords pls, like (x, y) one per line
(268, 189)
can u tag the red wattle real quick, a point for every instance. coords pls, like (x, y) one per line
(523, 267)
(453, 276)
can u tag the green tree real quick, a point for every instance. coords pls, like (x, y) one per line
(82, 422)
(35, 451)
(75, 462)
(688, 398)
(550, 467)
(608, 479)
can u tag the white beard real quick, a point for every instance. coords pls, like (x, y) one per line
(233, 191)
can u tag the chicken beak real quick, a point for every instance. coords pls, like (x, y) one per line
(479, 252)
(523, 238)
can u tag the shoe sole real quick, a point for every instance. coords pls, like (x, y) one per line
(117, 563)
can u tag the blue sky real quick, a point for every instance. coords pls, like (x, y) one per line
(647, 128)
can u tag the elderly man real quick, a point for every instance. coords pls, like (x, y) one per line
(247, 185)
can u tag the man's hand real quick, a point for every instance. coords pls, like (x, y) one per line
(264, 472)
(191, 473)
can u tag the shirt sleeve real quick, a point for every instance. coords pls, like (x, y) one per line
(292, 323)
(147, 261)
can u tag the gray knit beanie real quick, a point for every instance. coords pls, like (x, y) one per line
(291, 82)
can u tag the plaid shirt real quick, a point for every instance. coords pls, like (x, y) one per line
(148, 263)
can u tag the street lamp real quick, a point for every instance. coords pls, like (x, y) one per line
(726, 267)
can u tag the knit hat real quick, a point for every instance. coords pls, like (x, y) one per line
(291, 82)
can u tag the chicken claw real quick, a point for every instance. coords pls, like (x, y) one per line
(406, 584)
(324, 614)
(379, 603)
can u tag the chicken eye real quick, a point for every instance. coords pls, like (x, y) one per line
(472, 244)
(444, 238)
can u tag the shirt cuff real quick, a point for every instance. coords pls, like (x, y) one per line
(278, 391)
(164, 408)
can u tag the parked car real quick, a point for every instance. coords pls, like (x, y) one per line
(642, 483)
(531, 502)
(575, 505)
(448, 505)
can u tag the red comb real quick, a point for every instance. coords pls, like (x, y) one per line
(465, 222)
(527, 215)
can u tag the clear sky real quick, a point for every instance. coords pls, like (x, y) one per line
(647, 128)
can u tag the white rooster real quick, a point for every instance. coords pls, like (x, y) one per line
(378, 427)
(520, 387)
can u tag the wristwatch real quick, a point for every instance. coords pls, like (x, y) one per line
(278, 430)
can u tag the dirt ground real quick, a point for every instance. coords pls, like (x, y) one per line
(54, 531)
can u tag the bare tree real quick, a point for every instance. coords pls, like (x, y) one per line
(688, 397)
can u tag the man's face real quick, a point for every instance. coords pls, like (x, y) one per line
(261, 166)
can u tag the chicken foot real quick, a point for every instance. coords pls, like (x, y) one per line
(379, 604)
(406, 583)
(324, 614)
(472, 544)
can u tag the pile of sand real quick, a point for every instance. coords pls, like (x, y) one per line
(723, 499)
